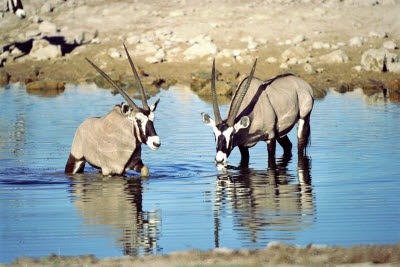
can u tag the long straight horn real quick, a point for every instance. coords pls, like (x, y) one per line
(217, 115)
(120, 90)
(235, 110)
(141, 90)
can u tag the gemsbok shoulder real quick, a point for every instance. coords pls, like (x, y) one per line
(112, 143)
(262, 111)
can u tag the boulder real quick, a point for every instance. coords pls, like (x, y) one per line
(4, 77)
(294, 52)
(319, 93)
(394, 85)
(222, 88)
(45, 88)
(198, 50)
(337, 56)
(390, 45)
(43, 50)
(380, 60)
(48, 28)
(356, 41)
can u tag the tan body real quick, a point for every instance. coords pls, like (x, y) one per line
(273, 109)
(107, 143)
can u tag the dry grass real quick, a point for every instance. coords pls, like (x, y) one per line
(275, 254)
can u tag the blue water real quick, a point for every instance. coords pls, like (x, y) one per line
(344, 192)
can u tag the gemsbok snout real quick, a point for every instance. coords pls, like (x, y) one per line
(113, 143)
(262, 111)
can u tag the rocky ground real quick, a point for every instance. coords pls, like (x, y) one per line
(330, 43)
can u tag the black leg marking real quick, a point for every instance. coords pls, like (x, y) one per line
(286, 145)
(271, 145)
(244, 151)
(74, 165)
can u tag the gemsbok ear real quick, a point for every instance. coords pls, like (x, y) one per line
(154, 106)
(207, 120)
(125, 109)
(242, 124)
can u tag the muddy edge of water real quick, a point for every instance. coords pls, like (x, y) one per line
(274, 254)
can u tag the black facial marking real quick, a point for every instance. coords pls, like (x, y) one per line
(221, 140)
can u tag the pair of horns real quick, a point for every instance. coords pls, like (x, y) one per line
(120, 90)
(231, 119)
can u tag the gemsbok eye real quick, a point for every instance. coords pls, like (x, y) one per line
(113, 143)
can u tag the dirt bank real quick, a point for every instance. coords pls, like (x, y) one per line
(275, 254)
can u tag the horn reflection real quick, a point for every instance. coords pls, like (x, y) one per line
(266, 205)
(114, 206)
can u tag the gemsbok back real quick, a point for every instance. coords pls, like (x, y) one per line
(262, 111)
(113, 143)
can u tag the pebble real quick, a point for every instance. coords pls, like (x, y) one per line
(390, 45)
(356, 41)
(201, 49)
(113, 52)
(337, 56)
(271, 60)
(308, 68)
(48, 28)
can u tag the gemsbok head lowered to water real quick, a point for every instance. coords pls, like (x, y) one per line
(113, 143)
(262, 111)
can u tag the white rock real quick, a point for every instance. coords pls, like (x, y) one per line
(284, 65)
(146, 47)
(357, 68)
(308, 68)
(337, 56)
(247, 59)
(198, 50)
(393, 67)
(157, 57)
(390, 45)
(373, 60)
(294, 52)
(32, 33)
(95, 40)
(43, 50)
(113, 52)
(292, 61)
(271, 60)
(177, 13)
(356, 41)
(48, 28)
(317, 45)
(299, 38)
(133, 40)
(319, 70)
(375, 34)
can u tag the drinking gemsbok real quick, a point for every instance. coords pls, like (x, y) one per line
(262, 111)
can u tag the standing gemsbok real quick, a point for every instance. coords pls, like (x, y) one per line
(262, 111)
(113, 143)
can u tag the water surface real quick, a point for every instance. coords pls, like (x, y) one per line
(344, 192)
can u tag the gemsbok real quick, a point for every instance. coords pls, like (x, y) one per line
(16, 7)
(262, 111)
(113, 143)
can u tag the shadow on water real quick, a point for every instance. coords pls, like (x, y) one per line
(116, 202)
(265, 201)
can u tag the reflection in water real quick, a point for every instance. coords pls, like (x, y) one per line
(117, 202)
(265, 201)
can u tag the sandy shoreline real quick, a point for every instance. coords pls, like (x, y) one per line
(275, 254)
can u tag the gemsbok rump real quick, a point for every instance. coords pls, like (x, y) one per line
(113, 143)
(262, 111)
